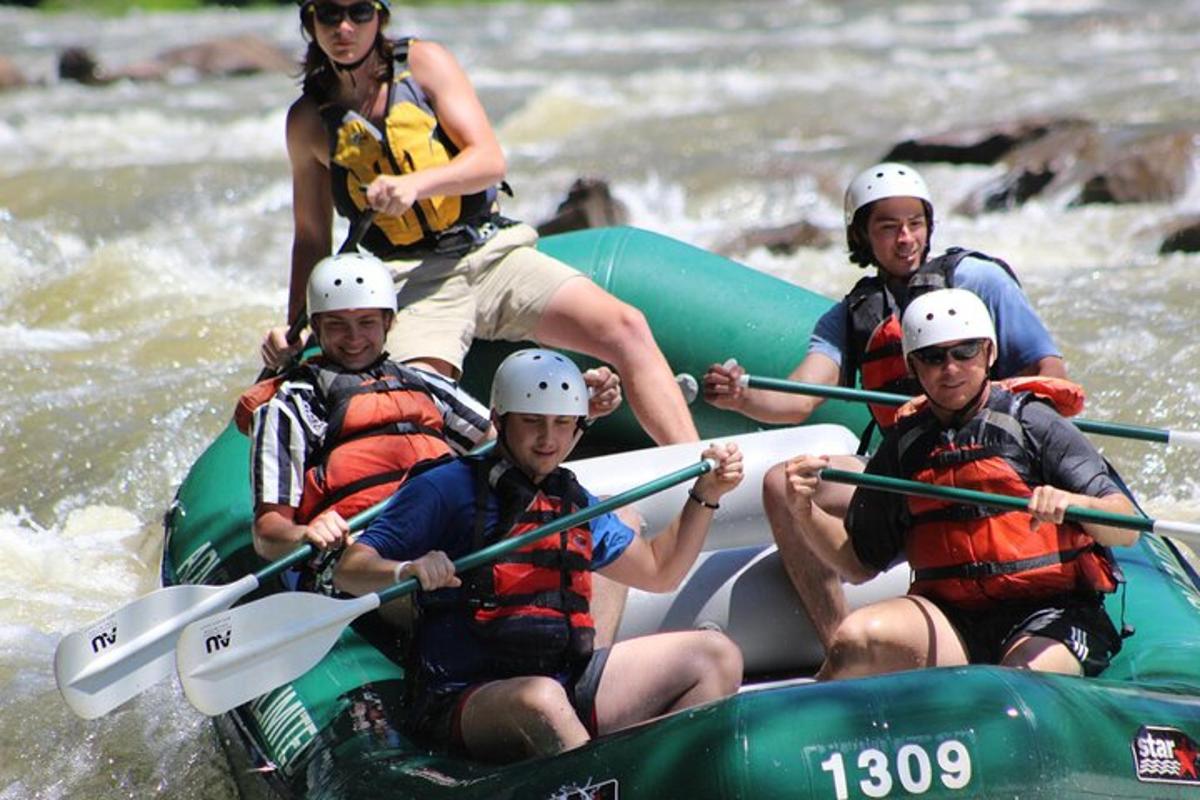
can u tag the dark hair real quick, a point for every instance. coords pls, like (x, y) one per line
(318, 74)
(859, 241)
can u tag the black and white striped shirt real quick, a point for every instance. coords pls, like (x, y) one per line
(292, 425)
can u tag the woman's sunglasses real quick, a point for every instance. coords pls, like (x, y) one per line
(935, 356)
(332, 14)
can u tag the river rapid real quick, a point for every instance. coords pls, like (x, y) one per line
(145, 230)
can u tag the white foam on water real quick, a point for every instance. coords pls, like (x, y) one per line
(18, 338)
(54, 578)
(144, 136)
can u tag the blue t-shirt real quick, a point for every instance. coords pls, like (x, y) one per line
(436, 511)
(1021, 337)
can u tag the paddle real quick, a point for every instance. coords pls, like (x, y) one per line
(970, 496)
(353, 239)
(229, 659)
(1185, 438)
(117, 657)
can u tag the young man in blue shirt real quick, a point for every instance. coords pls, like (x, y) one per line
(503, 659)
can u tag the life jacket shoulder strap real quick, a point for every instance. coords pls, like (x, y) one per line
(262, 392)
(864, 309)
(1066, 396)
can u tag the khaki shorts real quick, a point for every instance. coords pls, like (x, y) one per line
(497, 291)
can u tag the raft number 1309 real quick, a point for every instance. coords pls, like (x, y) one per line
(913, 769)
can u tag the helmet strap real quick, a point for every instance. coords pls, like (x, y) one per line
(350, 68)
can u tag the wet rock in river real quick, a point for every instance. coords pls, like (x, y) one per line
(232, 55)
(1182, 236)
(978, 145)
(779, 240)
(589, 204)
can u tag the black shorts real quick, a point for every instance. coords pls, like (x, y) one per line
(436, 717)
(1077, 621)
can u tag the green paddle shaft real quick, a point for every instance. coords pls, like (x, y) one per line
(1187, 438)
(970, 496)
(498, 549)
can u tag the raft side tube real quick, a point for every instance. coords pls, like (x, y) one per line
(703, 309)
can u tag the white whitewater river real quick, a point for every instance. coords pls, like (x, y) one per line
(145, 229)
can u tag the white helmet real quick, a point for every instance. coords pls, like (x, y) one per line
(882, 181)
(539, 382)
(350, 280)
(946, 315)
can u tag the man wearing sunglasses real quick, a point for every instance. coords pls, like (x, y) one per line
(889, 224)
(1017, 588)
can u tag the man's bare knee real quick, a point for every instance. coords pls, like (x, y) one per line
(774, 485)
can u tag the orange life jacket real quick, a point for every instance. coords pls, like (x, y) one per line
(974, 557)
(532, 606)
(381, 423)
(873, 343)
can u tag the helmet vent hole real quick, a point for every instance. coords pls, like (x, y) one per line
(337, 282)
(566, 386)
(543, 385)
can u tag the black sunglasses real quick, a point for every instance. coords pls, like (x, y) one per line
(332, 14)
(934, 356)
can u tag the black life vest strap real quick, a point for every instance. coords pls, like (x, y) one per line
(362, 484)
(566, 602)
(554, 559)
(988, 569)
(956, 513)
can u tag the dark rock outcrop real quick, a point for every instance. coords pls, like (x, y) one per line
(1064, 157)
(1182, 236)
(780, 240)
(589, 204)
(234, 55)
(980, 145)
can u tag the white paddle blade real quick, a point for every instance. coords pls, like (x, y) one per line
(231, 658)
(1184, 438)
(119, 656)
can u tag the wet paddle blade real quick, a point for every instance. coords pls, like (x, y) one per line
(231, 658)
(121, 655)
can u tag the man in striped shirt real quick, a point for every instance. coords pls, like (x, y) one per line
(344, 430)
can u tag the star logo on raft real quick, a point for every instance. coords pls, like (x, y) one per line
(1165, 755)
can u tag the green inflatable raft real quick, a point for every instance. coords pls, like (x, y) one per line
(976, 731)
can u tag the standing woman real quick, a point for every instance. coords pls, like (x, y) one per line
(393, 127)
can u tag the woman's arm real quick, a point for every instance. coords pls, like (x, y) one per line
(480, 162)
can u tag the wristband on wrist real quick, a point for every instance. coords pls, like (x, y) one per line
(701, 501)
(400, 565)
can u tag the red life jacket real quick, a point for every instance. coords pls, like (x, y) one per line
(381, 423)
(974, 557)
(531, 607)
(873, 329)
